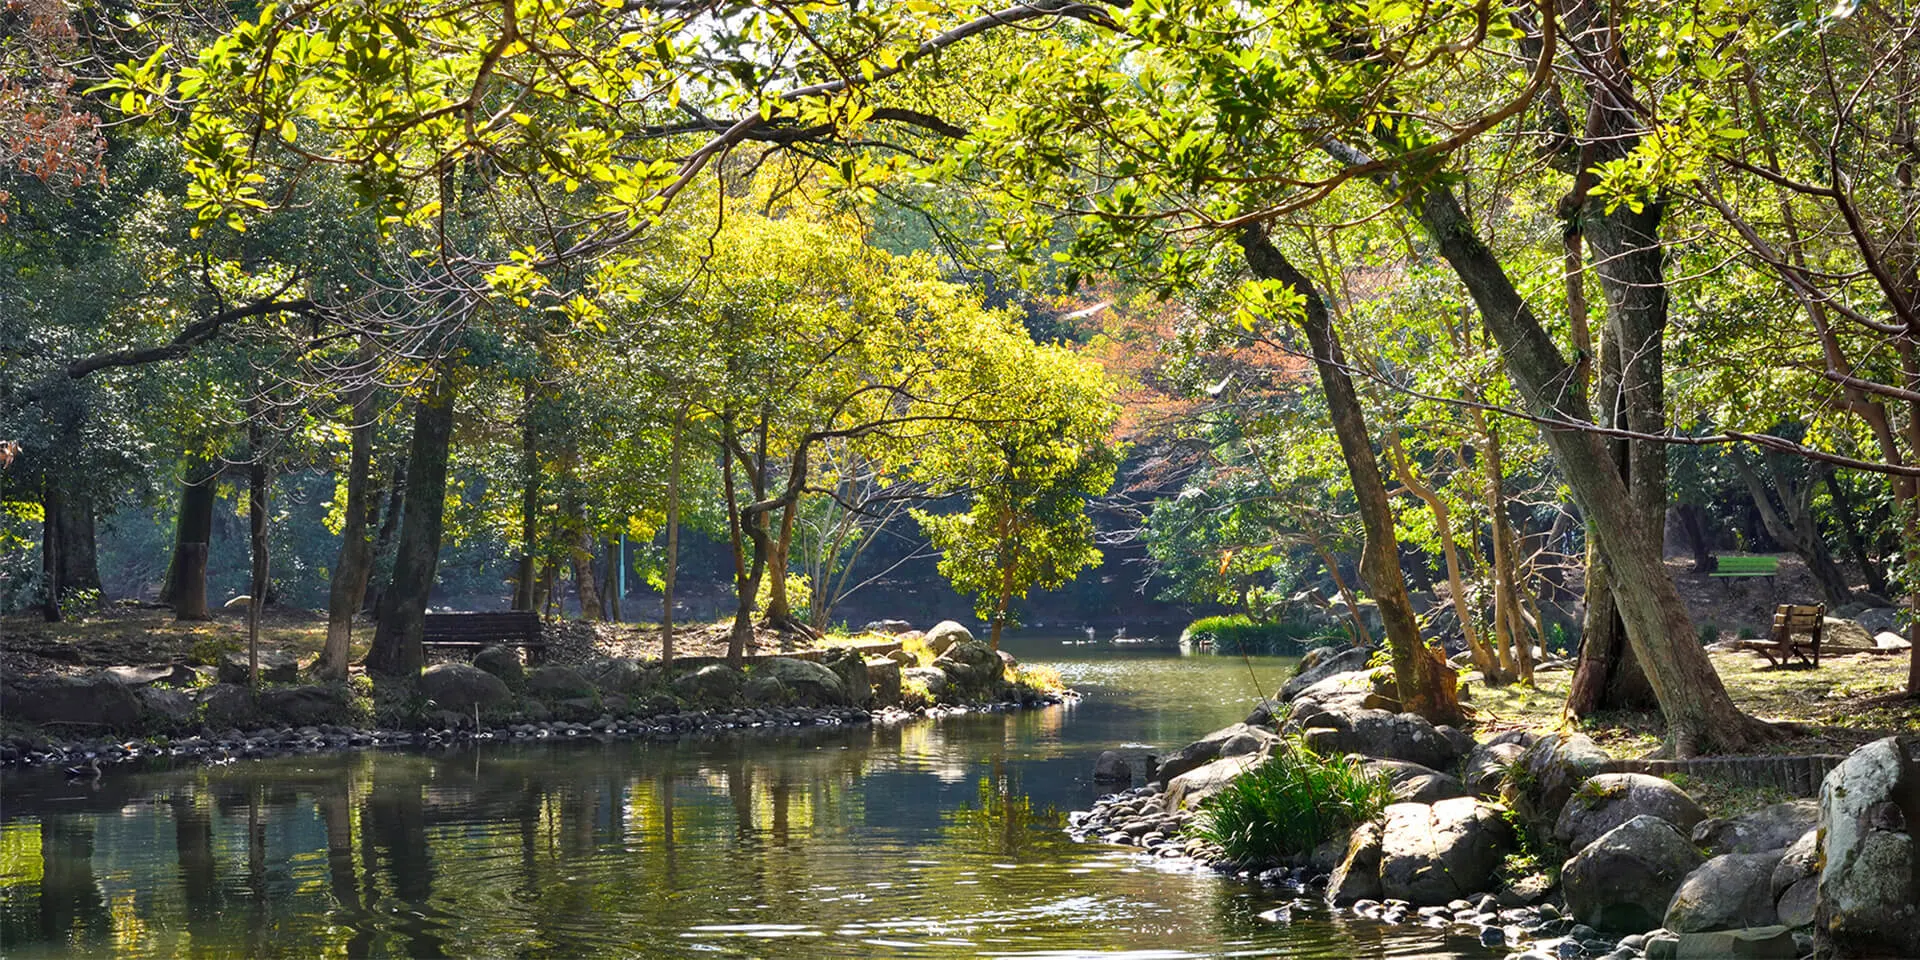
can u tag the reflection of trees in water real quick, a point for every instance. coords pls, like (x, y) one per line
(71, 908)
(1003, 822)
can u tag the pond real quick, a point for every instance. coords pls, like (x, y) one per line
(929, 839)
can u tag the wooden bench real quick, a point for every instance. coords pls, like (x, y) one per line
(1791, 623)
(516, 628)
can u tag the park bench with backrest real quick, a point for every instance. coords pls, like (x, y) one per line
(471, 631)
(1797, 630)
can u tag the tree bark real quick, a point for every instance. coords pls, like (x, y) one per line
(1791, 522)
(673, 542)
(1693, 523)
(397, 647)
(51, 565)
(356, 549)
(586, 583)
(1483, 659)
(257, 512)
(527, 579)
(1700, 716)
(389, 524)
(1850, 525)
(186, 583)
(1427, 685)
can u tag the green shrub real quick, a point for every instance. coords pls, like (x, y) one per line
(1238, 633)
(1709, 633)
(1290, 804)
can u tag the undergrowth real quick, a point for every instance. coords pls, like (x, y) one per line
(1291, 803)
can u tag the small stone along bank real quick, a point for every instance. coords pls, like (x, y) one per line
(1476, 828)
(188, 710)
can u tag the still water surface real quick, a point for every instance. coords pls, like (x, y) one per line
(931, 839)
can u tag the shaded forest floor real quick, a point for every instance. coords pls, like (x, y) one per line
(1848, 701)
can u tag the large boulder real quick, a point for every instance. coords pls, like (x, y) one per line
(1375, 733)
(275, 667)
(1623, 881)
(1189, 789)
(460, 687)
(810, 683)
(883, 678)
(1112, 767)
(305, 706)
(91, 700)
(712, 684)
(1547, 774)
(1728, 892)
(1796, 881)
(224, 705)
(1751, 943)
(765, 690)
(1611, 799)
(1230, 741)
(1487, 763)
(168, 707)
(891, 628)
(1358, 875)
(945, 634)
(1413, 783)
(1847, 634)
(1869, 890)
(1430, 855)
(1347, 690)
(855, 680)
(1768, 828)
(972, 667)
(166, 674)
(558, 682)
(1319, 664)
(503, 662)
(618, 675)
(934, 681)
(1878, 620)
(1889, 640)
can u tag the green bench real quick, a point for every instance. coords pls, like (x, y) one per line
(1733, 568)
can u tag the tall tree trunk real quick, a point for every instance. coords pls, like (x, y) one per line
(1693, 523)
(1427, 685)
(527, 579)
(79, 563)
(1506, 577)
(1700, 716)
(1850, 526)
(397, 647)
(356, 549)
(51, 565)
(389, 524)
(673, 542)
(257, 512)
(779, 612)
(1791, 522)
(586, 583)
(1483, 658)
(186, 584)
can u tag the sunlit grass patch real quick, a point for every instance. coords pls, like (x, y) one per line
(1289, 804)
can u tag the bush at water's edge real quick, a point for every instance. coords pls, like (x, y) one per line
(1238, 633)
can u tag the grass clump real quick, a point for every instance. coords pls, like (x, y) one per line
(1291, 803)
(1239, 633)
(1042, 678)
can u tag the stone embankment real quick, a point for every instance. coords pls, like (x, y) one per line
(1543, 848)
(120, 714)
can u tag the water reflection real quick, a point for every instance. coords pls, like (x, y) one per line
(931, 839)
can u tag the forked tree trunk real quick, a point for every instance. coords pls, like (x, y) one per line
(397, 649)
(1791, 522)
(1427, 685)
(1483, 658)
(1700, 716)
(356, 548)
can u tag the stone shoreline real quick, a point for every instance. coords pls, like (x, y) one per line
(228, 746)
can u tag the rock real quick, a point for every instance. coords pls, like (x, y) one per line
(1868, 898)
(225, 705)
(763, 689)
(812, 684)
(902, 658)
(1888, 640)
(1623, 881)
(275, 667)
(1845, 633)
(558, 682)
(1797, 903)
(305, 706)
(1878, 620)
(1611, 799)
(1728, 892)
(1244, 739)
(167, 706)
(1111, 767)
(883, 676)
(169, 674)
(712, 684)
(973, 667)
(1768, 828)
(1548, 772)
(945, 634)
(90, 700)
(1358, 875)
(1433, 854)
(934, 680)
(855, 682)
(1413, 783)
(618, 675)
(891, 628)
(1341, 691)
(1319, 664)
(1487, 765)
(1190, 788)
(1756, 943)
(1801, 861)
(1375, 733)
(503, 662)
(1462, 741)
(460, 687)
